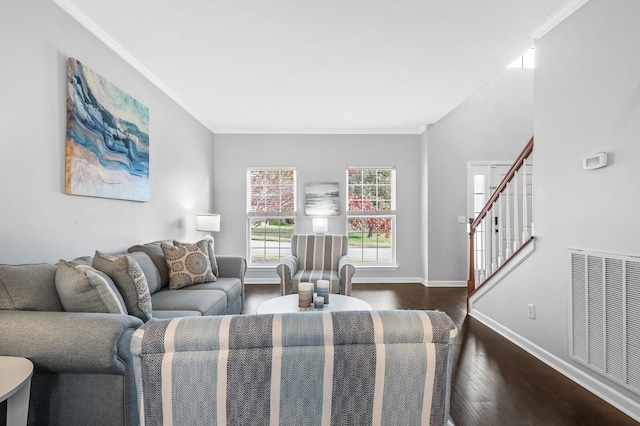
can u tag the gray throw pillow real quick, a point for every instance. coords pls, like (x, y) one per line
(84, 289)
(29, 287)
(154, 251)
(188, 264)
(130, 280)
(212, 255)
(149, 269)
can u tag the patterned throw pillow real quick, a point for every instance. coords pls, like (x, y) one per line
(130, 280)
(84, 289)
(212, 255)
(188, 264)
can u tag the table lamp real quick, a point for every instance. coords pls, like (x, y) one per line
(208, 223)
(320, 225)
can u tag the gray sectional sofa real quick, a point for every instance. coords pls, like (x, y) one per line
(75, 323)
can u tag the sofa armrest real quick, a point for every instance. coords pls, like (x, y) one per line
(286, 269)
(346, 270)
(69, 342)
(232, 267)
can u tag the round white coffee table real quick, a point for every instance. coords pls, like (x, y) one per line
(289, 303)
(15, 384)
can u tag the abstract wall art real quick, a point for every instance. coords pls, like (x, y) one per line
(322, 199)
(107, 147)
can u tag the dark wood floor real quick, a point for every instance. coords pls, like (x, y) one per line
(494, 381)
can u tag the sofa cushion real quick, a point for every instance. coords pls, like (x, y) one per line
(83, 260)
(188, 264)
(29, 287)
(174, 314)
(206, 302)
(149, 269)
(304, 276)
(84, 289)
(319, 252)
(130, 280)
(154, 251)
(231, 286)
(212, 255)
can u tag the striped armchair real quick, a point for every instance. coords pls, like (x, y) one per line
(317, 257)
(317, 368)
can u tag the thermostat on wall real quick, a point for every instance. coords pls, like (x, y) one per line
(595, 161)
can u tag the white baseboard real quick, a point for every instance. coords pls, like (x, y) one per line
(384, 280)
(601, 390)
(262, 280)
(445, 283)
(374, 280)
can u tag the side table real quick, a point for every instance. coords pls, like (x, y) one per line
(15, 385)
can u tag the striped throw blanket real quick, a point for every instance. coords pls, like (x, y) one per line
(316, 368)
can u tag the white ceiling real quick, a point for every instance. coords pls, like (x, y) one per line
(331, 66)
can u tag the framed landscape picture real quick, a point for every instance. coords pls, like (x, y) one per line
(322, 199)
(107, 144)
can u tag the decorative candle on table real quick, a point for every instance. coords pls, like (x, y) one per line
(318, 302)
(305, 294)
(323, 290)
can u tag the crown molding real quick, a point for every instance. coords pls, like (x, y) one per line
(97, 31)
(346, 131)
(557, 17)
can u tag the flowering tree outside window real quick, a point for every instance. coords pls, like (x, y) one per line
(371, 224)
(271, 207)
(371, 214)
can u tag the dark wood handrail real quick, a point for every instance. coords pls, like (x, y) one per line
(474, 223)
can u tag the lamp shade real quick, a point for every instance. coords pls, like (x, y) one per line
(208, 222)
(320, 225)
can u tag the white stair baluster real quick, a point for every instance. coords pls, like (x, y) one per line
(516, 214)
(486, 264)
(478, 252)
(525, 206)
(508, 200)
(492, 235)
(500, 218)
(482, 264)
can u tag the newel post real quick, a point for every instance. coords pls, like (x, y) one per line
(471, 283)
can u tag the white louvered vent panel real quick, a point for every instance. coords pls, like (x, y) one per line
(633, 323)
(605, 315)
(579, 307)
(614, 308)
(595, 311)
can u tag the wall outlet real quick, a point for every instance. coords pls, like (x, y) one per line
(532, 311)
(462, 219)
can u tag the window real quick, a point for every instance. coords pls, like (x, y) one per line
(271, 212)
(527, 60)
(371, 214)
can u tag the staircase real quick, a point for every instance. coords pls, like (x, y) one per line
(503, 230)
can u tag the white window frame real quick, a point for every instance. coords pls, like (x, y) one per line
(372, 214)
(284, 247)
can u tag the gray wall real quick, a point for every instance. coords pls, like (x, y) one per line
(494, 124)
(318, 158)
(39, 223)
(587, 100)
